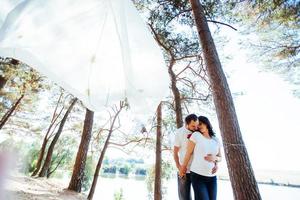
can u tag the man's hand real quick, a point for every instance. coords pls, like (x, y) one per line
(182, 171)
(215, 168)
(210, 158)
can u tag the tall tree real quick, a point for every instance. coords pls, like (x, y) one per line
(169, 24)
(157, 181)
(22, 83)
(5, 64)
(47, 136)
(78, 169)
(47, 163)
(176, 94)
(98, 167)
(241, 173)
(7, 115)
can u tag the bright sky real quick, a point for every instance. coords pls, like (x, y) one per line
(268, 112)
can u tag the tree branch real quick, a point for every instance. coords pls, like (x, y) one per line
(222, 23)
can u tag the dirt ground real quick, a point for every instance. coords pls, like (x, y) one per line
(19, 187)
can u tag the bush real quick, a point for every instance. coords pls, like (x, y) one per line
(26, 154)
(110, 169)
(88, 173)
(125, 170)
(119, 195)
(140, 171)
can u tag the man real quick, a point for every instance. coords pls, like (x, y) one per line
(180, 147)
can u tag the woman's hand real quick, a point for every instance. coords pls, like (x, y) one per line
(215, 168)
(210, 158)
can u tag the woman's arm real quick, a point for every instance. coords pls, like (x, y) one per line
(187, 157)
(214, 158)
(218, 159)
(219, 156)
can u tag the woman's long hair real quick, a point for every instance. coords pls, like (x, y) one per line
(205, 121)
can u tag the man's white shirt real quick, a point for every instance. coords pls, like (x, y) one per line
(181, 141)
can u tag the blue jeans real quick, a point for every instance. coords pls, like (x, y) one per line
(184, 187)
(205, 188)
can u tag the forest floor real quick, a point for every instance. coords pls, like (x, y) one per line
(20, 187)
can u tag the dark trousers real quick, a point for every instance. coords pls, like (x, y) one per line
(184, 187)
(205, 188)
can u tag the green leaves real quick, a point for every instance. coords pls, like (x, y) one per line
(19, 79)
(276, 25)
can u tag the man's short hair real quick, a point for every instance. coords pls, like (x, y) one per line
(190, 117)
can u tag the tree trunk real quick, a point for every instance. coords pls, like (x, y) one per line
(41, 156)
(79, 166)
(10, 112)
(98, 167)
(46, 139)
(48, 159)
(241, 173)
(2, 82)
(174, 88)
(176, 93)
(157, 181)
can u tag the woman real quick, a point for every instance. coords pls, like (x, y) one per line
(205, 148)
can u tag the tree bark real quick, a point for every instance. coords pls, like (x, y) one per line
(79, 166)
(2, 82)
(157, 181)
(174, 88)
(48, 158)
(41, 156)
(10, 112)
(240, 170)
(98, 167)
(176, 94)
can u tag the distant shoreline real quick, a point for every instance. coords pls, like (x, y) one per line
(268, 183)
(110, 175)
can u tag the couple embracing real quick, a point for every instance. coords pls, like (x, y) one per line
(196, 154)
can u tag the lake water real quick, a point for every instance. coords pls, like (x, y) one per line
(137, 189)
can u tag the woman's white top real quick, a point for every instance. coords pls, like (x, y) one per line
(203, 146)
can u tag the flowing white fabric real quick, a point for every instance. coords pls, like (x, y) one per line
(5, 7)
(99, 50)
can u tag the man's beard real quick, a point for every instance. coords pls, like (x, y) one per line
(193, 130)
